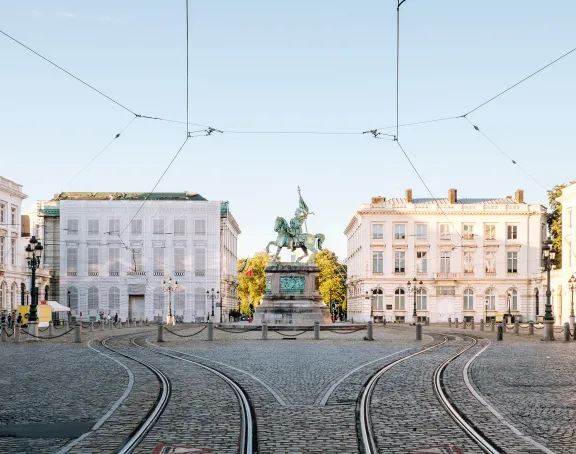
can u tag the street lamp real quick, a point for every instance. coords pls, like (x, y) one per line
(170, 287)
(33, 255)
(213, 296)
(572, 287)
(371, 298)
(509, 297)
(415, 287)
(548, 254)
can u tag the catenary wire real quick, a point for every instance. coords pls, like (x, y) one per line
(68, 72)
(187, 76)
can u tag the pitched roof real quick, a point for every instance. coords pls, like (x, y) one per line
(428, 201)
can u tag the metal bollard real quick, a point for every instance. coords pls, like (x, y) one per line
(17, 333)
(449, 322)
(50, 329)
(418, 332)
(316, 330)
(500, 334)
(531, 328)
(566, 332)
(91, 327)
(472, 325)
(492, 325)
(383, 321)
(78, 333)
(210, 331)
(517, 327)
(160, 337)
(4, 336)
(264, 331)
(456, 323)
(369, 331)
(464, 324)
(482, 325)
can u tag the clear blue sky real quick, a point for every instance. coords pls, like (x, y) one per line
(288, 66)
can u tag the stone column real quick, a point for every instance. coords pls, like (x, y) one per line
(317, 330)
(418, 332)
(482, 325)
(370, 332)
(17, 333)
(516, 326)
(160, 337)
(210, 331)
(264, 331)
(531, 328)
(50, 329)
(566, 332)
(500, 334)
(78, 333)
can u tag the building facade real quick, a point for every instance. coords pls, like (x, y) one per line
(114, 250)
(14, 272)
(475, 258)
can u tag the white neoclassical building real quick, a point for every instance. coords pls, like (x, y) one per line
(476, 258)
(14, 236)
(112, 252)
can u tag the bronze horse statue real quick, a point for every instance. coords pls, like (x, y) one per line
(306, 241)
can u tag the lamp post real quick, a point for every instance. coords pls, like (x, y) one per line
(170, 287)
(509, 297)
(572, 287)
(213, 296)
(548, 254)
(415, 287)
(33, 255)
(70, 311)
(371, 298)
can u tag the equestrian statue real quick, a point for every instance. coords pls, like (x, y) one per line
(291, 235)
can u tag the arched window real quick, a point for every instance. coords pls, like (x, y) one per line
(73, 299)
(179, 301)
(421, 300)
(114, 300)
(200, 302)
(468, 302)
(46, 292)
(491, 299)
(513, 297)
(13, 295)
(92, 300)
(159, 297)
(400, 299)
(377, 299)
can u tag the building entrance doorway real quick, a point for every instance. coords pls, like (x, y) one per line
(136, 307)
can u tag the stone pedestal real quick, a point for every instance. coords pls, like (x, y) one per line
(170, 319)
(292, 296)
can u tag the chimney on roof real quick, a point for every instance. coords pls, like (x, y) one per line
(519, 196)
(452, 196)
(378, 200)
(408, 195)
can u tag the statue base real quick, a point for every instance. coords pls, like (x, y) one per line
(292, 296)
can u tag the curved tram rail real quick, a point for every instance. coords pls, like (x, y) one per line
(366, 438)
(248, 443)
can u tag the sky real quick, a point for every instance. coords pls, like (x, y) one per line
(261, 66)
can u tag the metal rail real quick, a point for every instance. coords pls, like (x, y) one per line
(248, 443)
(144, 426)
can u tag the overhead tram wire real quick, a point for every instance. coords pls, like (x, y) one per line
(187, 77)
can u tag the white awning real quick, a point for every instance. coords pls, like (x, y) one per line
(57, 307)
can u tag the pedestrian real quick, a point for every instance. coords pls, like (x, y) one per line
(10, 321)
(108, 318)
(3, 318)
(19, 319)
(116, 318)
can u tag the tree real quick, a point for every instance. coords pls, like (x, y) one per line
(555, 221)
(332, 278)
(252, 280)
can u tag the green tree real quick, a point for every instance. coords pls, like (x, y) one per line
(332, 278)
(252, 281)
(555, 220)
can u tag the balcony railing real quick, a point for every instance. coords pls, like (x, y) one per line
(114, 273)
(72, 273)
(136, 273)
(179, 273)
(93, 273)
(200, 273)
(447, 275)
(158, 273)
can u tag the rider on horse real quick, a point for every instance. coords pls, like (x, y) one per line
(300, 216)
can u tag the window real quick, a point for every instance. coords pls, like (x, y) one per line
(136, 227)
(377, 231)
(378, 262)
(180, 227)
(13, 292)
(93, 226)
(445, 262)
(469, 262)
(399, 299)
(2, 213)
(2, 249)
(490, 231)
(200, 261)
(179, 260)
(159, 302)
(114, 226)
(512, 232)
(445, 232)
(200, 227)
(200, 302)
(512, 261)
(72, 261)
(114, 260)
(399, 261)
(491, 299)
(468, 231)
(13, 252)
(158, 261)
(422, 232)
(378, 299)
(421, 300)
(92, 300)
(179, 301)
(114, 300)
(421, 261)
(72, 226)
(93, 261)
(2, 294)
(490, 262)
(73, 299)
(399, 231)
(136, 264)
(158, 226)
(13, 215)
(513, 299)
(468, 302)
